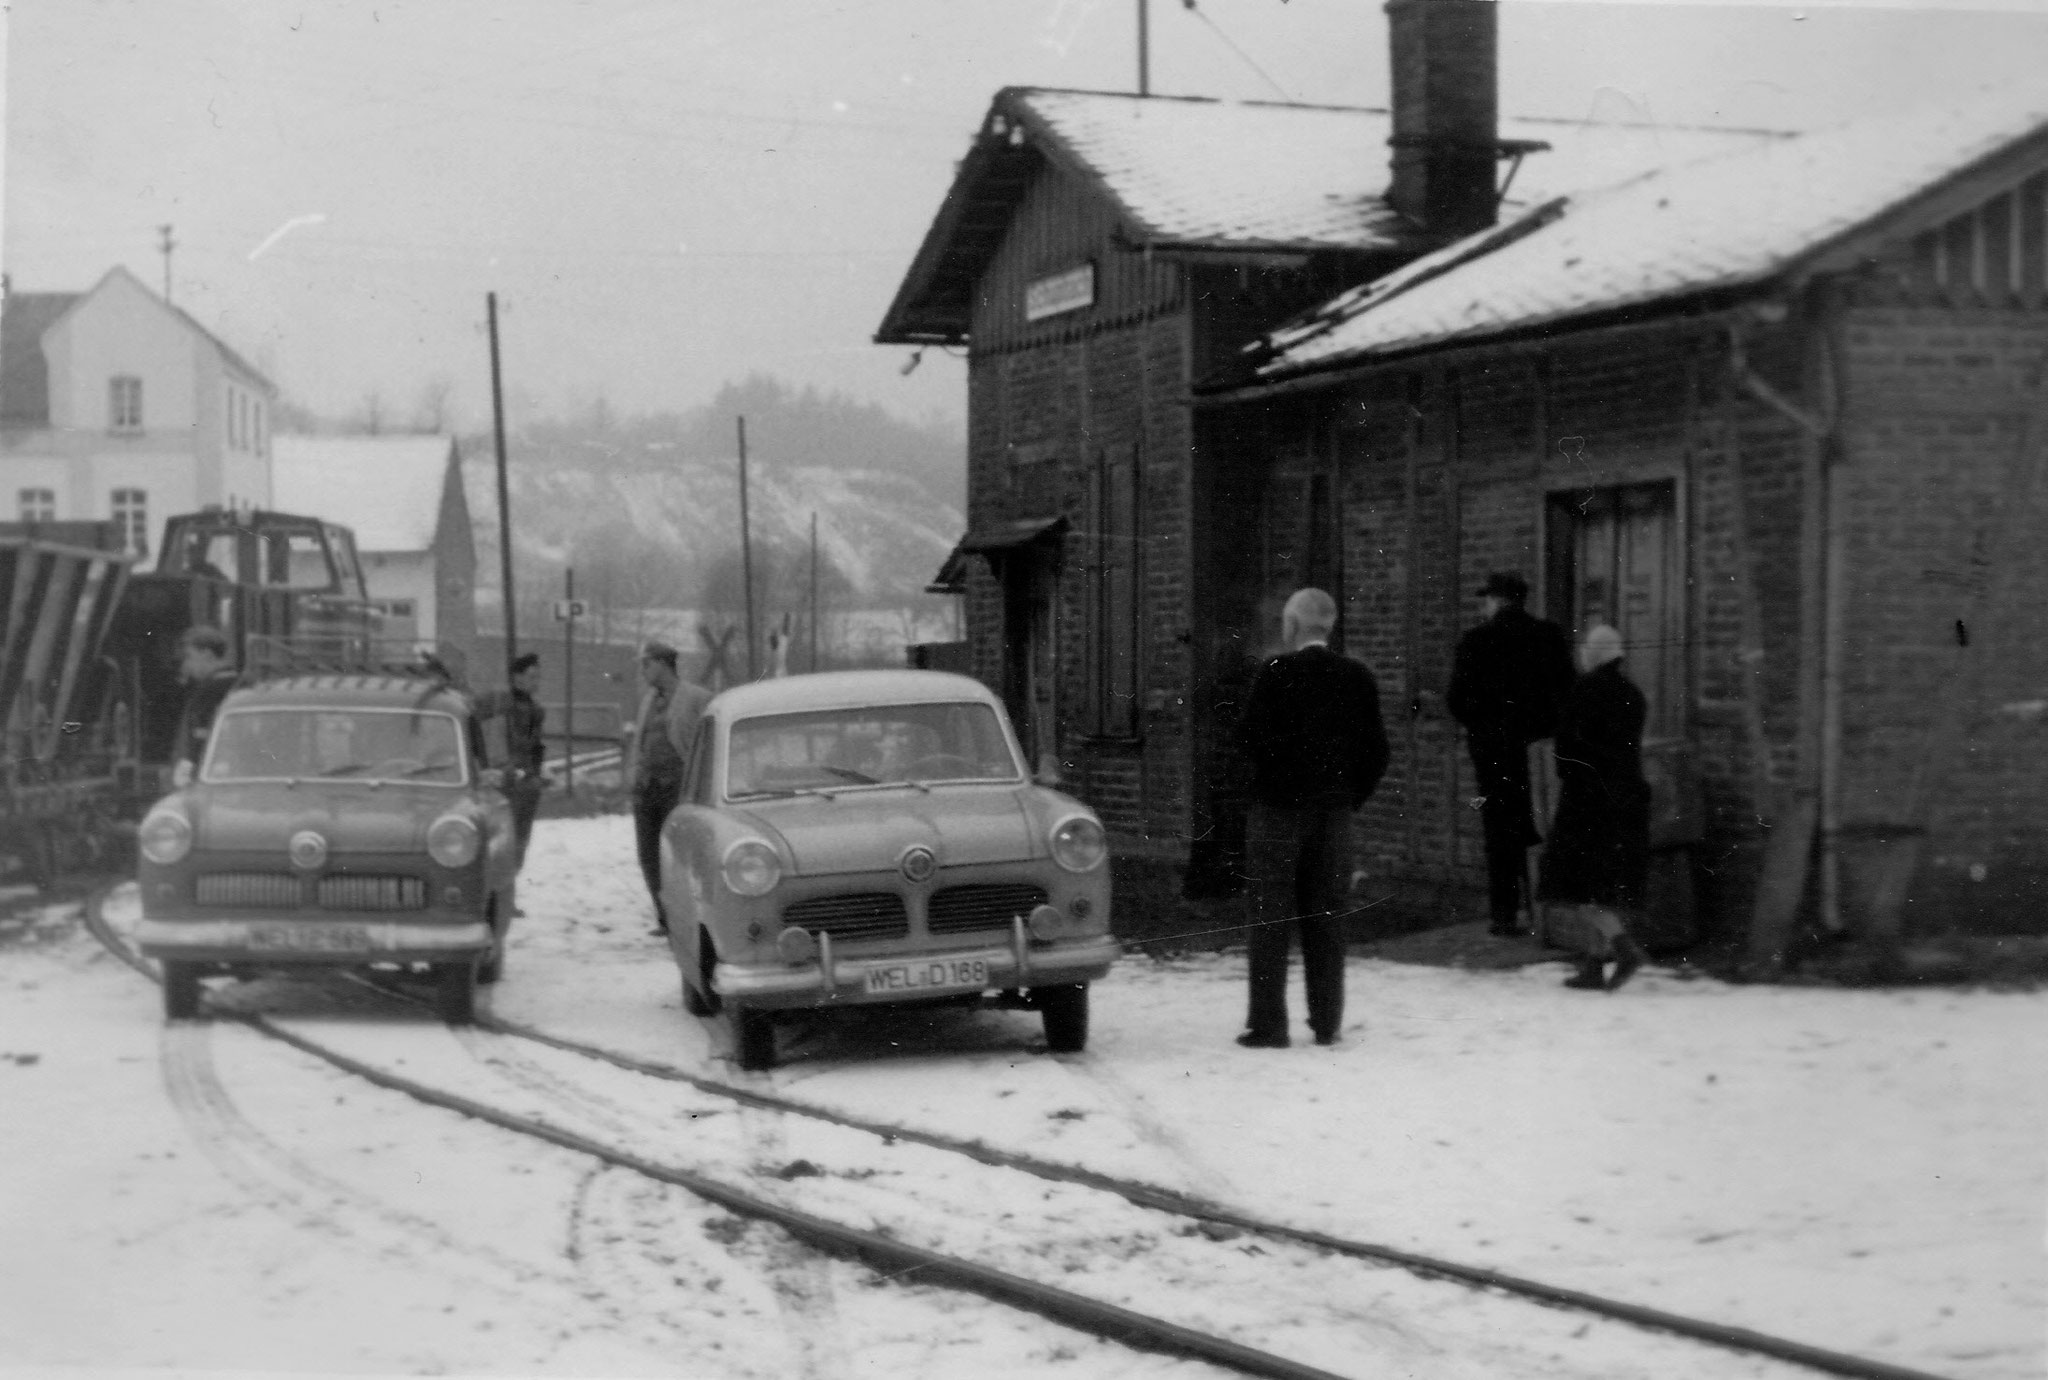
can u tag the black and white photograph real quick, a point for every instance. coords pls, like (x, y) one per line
(1167, 689)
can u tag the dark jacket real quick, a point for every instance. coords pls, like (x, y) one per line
(195, 720)
(525, 717)
(1599, 849)
(1311, 732)
(1509, 678)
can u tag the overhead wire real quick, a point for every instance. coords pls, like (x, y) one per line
(1193, 8)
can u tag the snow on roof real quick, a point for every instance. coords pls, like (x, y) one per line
(1724, 222)
(1253, 173)
(386, 488)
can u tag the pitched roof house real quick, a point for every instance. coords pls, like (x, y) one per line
(404, 498)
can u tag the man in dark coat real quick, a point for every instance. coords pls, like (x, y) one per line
(1508, 678)
(525, 747)
(203, 666)
(1315, 747)
(1597, 865)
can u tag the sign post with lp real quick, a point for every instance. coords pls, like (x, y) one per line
(567, 611)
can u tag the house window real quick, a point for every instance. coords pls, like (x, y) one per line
(1113, 594)
(131, 516)
(124, 403)
(37, 505)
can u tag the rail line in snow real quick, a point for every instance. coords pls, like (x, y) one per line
(888, 1250)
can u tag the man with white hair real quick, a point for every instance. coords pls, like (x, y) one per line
(1597, 865)
(1313, 739)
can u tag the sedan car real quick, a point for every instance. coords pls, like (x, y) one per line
(336, 821)
(872, 837)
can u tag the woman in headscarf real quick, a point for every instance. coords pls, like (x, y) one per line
(1596, 867)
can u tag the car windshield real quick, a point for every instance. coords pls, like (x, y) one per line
(356, 744)
(834, 749)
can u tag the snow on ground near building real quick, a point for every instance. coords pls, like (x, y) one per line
(1859, 1170)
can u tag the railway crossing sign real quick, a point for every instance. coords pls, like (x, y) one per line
(568, 609)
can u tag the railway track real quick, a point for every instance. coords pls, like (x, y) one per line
(1095, 1247)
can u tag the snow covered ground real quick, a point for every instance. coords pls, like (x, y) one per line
(1858, 1170)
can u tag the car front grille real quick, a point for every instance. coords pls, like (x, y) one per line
(866, 915)
(987, 906)
(373, 893)
(271, 890)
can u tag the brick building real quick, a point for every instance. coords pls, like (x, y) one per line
(1097, 255)
(1777, 415)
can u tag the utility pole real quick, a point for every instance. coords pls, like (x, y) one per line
(504, 494)
(1144, 47)
(165, 244)
(814, 593)
(747, 556)
(569, 683)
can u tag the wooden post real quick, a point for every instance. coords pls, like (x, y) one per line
(569, 685)
(747, 559)
(814, 593)
(504, 495)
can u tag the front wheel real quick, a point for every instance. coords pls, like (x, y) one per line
(1065, 1010)
(181, 991)
(455, 992)
(754, 1035)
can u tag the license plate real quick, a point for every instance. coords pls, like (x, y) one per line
(310, 939)
(928, 975)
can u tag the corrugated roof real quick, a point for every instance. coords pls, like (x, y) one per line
(1229, 174)
(387, 489)
(1726, 222)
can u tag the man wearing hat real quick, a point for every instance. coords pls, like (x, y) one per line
(669, 710)
(1508, 680)
(525, 748)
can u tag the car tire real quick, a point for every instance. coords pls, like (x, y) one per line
(455, 992)
(181, 991)
(754, 1038)
(698, 998)
(1065, 1010)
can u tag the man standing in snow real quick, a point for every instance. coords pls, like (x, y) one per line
(1315, 746)
(1507, 680)
(669, 711)
(524, 746)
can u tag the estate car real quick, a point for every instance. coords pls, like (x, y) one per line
(863, 837)
(336, 821)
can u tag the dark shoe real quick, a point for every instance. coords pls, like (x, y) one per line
(1326, 1037)
(1251, 1039)
(1588, 978)
(1628, 956)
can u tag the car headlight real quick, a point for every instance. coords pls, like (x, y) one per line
(452, 841)
(1078, 844)
(752, 868)
(166, 836)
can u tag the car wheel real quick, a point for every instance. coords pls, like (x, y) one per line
(698, 998)
(754, 1036)
(455, 991)
(1065, 1010)
(181, 991)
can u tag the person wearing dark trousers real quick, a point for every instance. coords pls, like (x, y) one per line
(525, 747)
(1315, 747)
(203, 666)
(1508, 678)
(1596, 869)
(657, 768)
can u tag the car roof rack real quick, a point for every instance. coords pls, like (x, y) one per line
(267, 657)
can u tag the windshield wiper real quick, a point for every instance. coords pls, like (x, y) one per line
(348, 770)
(859, 778)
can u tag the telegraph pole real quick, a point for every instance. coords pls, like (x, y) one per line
(165, 244)
(504, 494)
(814, 593)
(747, 555)
(569, 682)
(1144, 47)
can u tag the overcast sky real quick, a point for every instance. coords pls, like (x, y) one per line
(666, 194)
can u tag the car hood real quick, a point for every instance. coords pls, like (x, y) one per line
(359, 819)
(860, 831)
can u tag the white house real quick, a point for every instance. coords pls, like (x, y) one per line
(403, 496)
(116, 404)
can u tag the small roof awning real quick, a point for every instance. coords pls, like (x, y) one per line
(952, 576)
(999, 537)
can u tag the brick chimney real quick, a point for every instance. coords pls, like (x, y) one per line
(1446, 113)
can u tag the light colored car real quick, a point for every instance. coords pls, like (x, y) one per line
(337, 821)
(863, 837)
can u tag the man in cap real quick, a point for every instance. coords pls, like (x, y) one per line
(203, 667)
(524, 745)
(669, 710)
(1508, 680)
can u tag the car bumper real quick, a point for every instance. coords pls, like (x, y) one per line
(281, 939)
(833, 979)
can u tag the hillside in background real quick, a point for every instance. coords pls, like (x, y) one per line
(647, 509)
